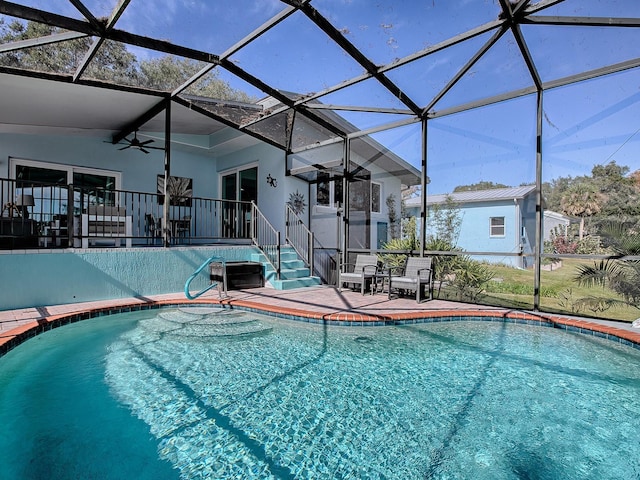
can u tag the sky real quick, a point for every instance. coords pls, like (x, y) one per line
(589, 123)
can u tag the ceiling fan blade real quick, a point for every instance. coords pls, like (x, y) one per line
(144, 150)
(145, 142)
(125, 147)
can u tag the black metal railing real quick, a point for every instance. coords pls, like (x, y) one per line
(267, 239)
(299, 237)
(38, 215)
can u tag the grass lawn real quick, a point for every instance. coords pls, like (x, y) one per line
(559, 292)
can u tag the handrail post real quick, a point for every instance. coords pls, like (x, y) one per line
(254, 220)
(310, 252)
(210, 260)
(278, 250)
(295, 231)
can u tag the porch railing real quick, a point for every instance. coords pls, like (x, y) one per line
(266, 238)
(299, 237)
(38, 215)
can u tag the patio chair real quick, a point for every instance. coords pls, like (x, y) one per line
(363, 273)
(181, 229)
(415, 275)
(152, 228)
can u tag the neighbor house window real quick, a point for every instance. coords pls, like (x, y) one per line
(497, 227)
(376, 193)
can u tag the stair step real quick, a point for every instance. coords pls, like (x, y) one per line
(287, 273)
(295, 263)
(293, 272)
(295, 283)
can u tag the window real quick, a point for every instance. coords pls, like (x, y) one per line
(48, 183)
(376, 191)
(497, 227)
(329, 190)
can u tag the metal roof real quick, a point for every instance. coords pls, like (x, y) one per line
(477, 196)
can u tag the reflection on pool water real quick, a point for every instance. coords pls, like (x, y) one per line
(201, 392)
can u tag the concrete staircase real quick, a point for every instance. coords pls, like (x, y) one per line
(293, 273)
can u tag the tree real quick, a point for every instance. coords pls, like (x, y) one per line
(393, 215)
(553, 191)
(484, 185)
(635, 178)
(446, 221)
(112, 63)
(166, 73)
(581, 200)
(620, 195)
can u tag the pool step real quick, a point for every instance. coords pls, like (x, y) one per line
(207, 322)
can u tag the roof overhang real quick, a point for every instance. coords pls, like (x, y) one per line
(43, 107)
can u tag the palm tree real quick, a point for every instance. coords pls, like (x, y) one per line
(581, 200)
(620, 275)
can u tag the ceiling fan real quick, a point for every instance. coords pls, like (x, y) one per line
(138, 145)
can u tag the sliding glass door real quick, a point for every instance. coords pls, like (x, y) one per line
(237, 187)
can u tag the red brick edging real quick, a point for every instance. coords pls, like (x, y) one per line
(18, 335)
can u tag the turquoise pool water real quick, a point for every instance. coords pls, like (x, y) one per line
(206, 393)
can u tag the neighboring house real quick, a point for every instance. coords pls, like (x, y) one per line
(499, 220)
(554, 223)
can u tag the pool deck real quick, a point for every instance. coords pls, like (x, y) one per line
(315, 304)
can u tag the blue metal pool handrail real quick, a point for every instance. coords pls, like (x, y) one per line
(209, 261)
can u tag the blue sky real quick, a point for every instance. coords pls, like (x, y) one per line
(586, 124)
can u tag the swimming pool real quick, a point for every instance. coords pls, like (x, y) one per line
(202, 392)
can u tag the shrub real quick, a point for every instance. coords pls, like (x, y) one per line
(563, 245)
(470, 278)
(397, 244)
(589, 245)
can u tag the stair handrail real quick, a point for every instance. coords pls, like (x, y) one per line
(266, 238)
(299, 237)
(210, 260)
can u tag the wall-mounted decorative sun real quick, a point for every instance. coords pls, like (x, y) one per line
(296, 202)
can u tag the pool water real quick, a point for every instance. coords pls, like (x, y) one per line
(201, 392)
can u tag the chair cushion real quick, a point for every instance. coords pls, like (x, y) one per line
(351, 277)
(408, 281)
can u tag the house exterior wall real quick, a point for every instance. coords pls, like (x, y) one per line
(528, 219)
(139, 171)
(554, 222)
(475, 231)
(270, 161)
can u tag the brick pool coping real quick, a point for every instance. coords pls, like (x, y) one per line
(18, 335)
